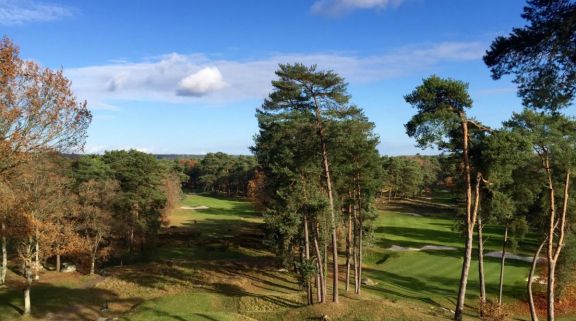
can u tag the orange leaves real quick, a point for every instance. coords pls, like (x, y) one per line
(38, 109)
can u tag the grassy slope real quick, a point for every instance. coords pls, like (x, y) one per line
(276, 298)
(432, 276)
(211, 265)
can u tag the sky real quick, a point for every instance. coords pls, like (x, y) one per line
(185, 77)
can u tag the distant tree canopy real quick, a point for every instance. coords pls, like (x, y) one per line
(219, 173)
(410, 176)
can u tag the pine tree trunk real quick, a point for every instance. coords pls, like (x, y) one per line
(57, 262)
(550, 290)
(469, 224)
(502, 262)
(307, 257)
(320, 269)
(328, 181)
(348, 248)
(481, 263)
(550, 250)
(360, 235)
(131, 240)
(533, 314)
(332, 227)
(356, 280)
(318, 287)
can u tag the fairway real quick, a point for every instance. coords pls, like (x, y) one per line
(432, 276)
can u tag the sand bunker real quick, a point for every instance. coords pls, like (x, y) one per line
(194, 208)
(411, 214)
(510, 256)
(397, 248)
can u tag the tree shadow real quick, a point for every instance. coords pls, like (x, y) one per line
(51, 302)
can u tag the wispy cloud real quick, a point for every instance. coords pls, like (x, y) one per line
(17, 12)
(177, 78)
(340, 7)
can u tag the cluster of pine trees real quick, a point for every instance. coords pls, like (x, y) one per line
(410, 176)
(220, 173)
(320, 172)
(519, 175)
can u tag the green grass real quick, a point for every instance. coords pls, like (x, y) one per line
(213, 266)
(432, 276)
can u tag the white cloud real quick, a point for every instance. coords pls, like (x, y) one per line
(201, 83)
(340, 7)
(17, 12)
(176, 78)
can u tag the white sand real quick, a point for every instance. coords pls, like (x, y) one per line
(510, 256)
(397, 248)
(194, 208)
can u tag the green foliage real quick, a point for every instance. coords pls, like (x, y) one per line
(410, 176)
(540, 55)
(222, 173)
(440, 104)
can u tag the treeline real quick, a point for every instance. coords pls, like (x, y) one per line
(412, 176)
(84, 210)
(319, 172)
(220, 173)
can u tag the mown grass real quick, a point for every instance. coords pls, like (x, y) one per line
(432, 276)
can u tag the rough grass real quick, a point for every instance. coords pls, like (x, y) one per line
(211, 265)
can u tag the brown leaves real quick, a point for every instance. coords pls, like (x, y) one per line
(38, 110)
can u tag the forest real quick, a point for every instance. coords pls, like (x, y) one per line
(315, 224)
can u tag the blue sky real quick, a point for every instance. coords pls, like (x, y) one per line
(187, 76)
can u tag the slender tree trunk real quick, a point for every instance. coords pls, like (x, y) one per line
(332, 227)
(502, 263)
(481, 263)
(28, 264)
(36, 258)
(550, 290)
(27, 303)
(550, 249)
(326, 168)
(554, 253)
(320, 268)
(318, 287)
(57, 262)
(360, 235)
(356, 280)
(325, 257)
(4, 256)
(307, 257)
(533, 314)
(470, 221)
(131, 239)
(348, 247)
(93, 264)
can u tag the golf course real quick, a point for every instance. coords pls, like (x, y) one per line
(211, 263)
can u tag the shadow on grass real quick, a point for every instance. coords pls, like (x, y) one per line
(50, 302)
(236, 291)
(418, 237)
